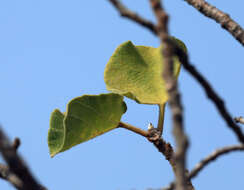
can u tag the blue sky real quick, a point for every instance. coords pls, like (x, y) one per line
(53, 51)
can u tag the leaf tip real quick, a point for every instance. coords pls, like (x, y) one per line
(52, 154)
(55, 132)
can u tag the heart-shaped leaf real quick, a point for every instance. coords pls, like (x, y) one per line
(136, 72)
(87, 117)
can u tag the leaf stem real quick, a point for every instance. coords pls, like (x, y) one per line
(161, 118)
(133, 129)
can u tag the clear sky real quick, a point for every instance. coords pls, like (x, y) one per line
(54, 50)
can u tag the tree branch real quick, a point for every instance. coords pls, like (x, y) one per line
(16, 164)
(220, 17)
(209, 159)
(212, 157)
(133, 129)
(124, 12)
(165, 148)
(7, 175)
(174, 95)
(154, 136)
(210, 92)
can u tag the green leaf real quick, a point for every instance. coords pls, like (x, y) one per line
(136, 72)
(87, 117)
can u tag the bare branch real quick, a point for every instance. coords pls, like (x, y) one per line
(165, 148)
(212, 157)
(174, 95)
(154, 136)
(7, 175)
(239, 120)
(17, 165)
(220, 17)
(216, 154)
(210, 92)
(124, 12)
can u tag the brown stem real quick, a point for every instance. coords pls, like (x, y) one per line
(124, 12)
(9, 176)
(220, 17)
(209, 159)
(212, 157)
(160, 127)
(133, 129)
(174, 95)
(211, 93)
(16, 165)
(165, 148)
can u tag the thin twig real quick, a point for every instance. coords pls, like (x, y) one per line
(209, 159)
(216, 154)
(210, 92)
(17, 165)
(124, 12)
(133, 129)
(239, 120)
(220, 17)
(153, 135)
(174, 95)
(165, 148)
